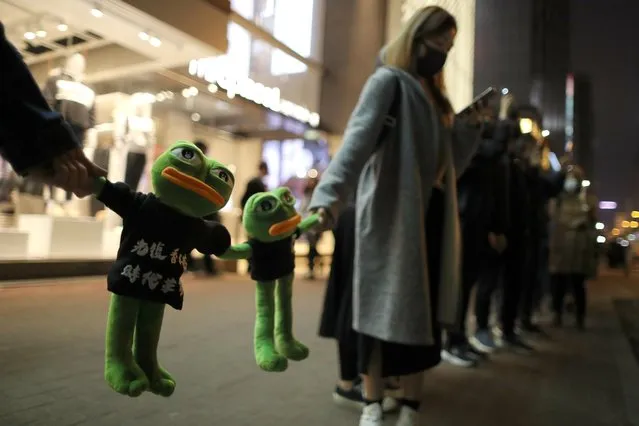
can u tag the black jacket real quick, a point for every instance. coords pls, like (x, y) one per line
(30, 133)
(542, 186)
(253, 186)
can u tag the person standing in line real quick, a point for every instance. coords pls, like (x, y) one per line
(256, 184)
(483, 215)
(35, 140)
(505, 271)
(573, 251)
(313, 236)
(406, 279)
(337, 318)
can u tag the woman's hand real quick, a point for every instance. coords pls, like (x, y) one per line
(326, 221)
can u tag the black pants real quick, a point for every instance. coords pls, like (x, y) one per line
(207, 259)
(475, 253)
(531, 279)
(135, 163)
(347, 352)
(313, 239)
(577, 284)
(487, 284)
(514, 282)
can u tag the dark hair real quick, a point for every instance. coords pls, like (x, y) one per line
(201, 145)
(263, 167)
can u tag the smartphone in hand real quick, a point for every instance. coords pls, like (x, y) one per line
(480, 101)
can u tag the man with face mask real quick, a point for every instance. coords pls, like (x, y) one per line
(503, 267)
(481, 194)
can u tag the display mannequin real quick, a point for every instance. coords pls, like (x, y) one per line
(139, 140)
(66, 93)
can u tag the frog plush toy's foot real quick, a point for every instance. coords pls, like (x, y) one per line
(124, 377)
(121, 372)
(160, 381)
(147, 338)
(292, 349)
(268, 359)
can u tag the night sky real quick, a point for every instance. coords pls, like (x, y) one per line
(605, 46)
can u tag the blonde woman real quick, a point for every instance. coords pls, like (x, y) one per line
(407, 257)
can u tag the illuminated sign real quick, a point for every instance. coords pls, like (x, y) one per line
(607, 205)
(210, 70)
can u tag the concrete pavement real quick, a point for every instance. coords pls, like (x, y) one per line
(51, 349)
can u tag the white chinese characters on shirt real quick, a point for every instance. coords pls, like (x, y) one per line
(151, 279)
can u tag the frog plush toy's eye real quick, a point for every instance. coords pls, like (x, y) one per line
(223, 175)
(266, 205)
(188, 155)
(288, 198)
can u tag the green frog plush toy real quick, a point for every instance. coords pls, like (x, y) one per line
(159, 231)
(272, 224)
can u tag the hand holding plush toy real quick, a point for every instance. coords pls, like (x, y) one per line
(159, 231)
(272, 223)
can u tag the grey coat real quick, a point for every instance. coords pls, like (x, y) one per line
(394, 182)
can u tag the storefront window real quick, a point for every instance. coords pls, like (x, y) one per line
(251, 62)
(296, 23)
(292, 161)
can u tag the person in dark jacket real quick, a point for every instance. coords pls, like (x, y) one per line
(481, 192)
(35, 140)
(256, 184)
(504, 271)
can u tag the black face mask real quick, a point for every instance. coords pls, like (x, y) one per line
(431, 63)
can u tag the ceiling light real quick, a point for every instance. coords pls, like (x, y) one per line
(97, 12)
(160, 97)
(195, 116)
(41, 33)
(62, 27)
(155, 42)
(545, 133)
(143, 35)
(29, 35)
(212, 88)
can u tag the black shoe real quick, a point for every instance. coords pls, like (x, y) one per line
(557, 321)
(515, 343)
(456, 355)
(473, 353)
(349, 398)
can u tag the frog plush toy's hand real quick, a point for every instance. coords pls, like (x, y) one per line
(98, 184)
(238, 251)
(214, 239)
(309, 223)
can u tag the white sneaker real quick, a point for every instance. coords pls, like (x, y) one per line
(372, 415)
(407, 417)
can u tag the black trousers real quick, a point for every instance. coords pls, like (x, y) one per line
(313, 239)
(135, 163)
(209, 264)
(347, 353)
(531, 287)
(475, 255)
(561, 283)
(488, 283)
(516, 269)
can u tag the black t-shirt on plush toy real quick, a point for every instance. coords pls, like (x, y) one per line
(154, 245)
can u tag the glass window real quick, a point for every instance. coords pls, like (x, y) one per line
(293, 26)
(296, 23)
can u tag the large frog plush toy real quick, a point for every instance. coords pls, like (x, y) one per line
(159, 231)
(272, 224)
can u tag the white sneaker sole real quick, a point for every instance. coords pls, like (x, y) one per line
(479, 346)
(458, 362)
(389, 404)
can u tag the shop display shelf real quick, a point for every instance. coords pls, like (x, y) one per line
(14, 244)
(56, 237)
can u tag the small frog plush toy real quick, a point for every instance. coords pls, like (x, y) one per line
(159, 231)
(272, 223)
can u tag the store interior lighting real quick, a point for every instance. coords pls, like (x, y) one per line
(545, 133)
(96, 11)
(196, 117)
(190, 92)
(62, 27)
(585, 183)
(526, 126)
(213, 88)
(151, 39)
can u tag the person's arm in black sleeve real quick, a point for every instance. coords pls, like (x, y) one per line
(254, 186)
(31, 134)
(552, 183)
(213, 239)
(118, 197)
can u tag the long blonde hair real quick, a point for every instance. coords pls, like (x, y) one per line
(400, 52)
